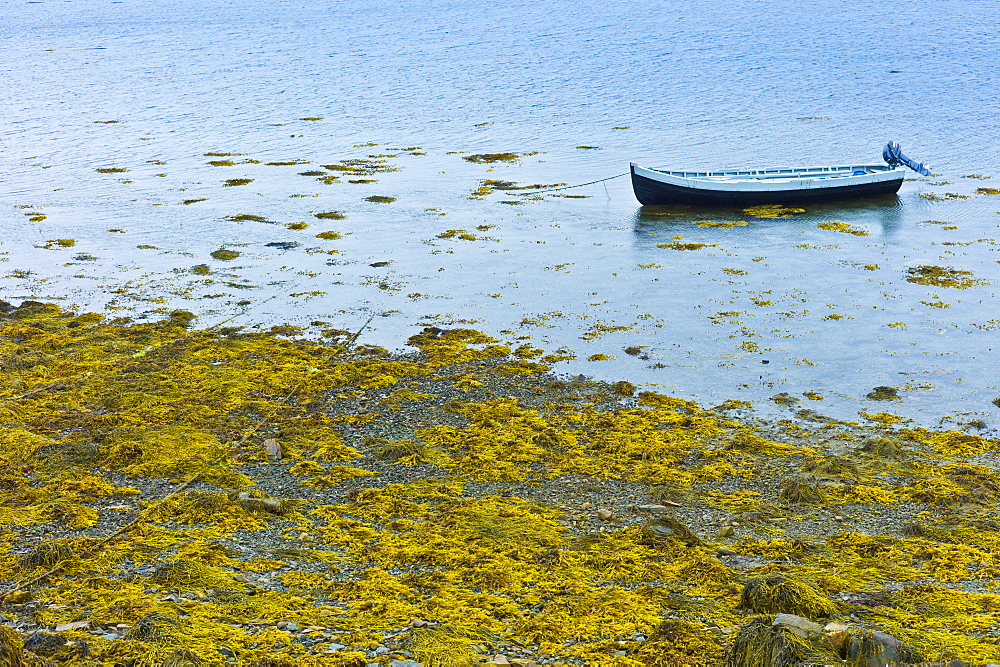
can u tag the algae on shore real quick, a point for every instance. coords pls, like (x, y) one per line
(448, 503)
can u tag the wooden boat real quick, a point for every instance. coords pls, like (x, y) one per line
(777, 185)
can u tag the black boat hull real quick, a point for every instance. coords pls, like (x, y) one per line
(655, 193)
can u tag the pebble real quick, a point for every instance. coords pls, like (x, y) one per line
(652, 508)
(605, 514)
(75, 625)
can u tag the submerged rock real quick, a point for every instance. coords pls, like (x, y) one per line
(882, 393)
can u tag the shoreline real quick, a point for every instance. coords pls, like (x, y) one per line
(303, 502)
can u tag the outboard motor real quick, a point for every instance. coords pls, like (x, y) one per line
(894, 157)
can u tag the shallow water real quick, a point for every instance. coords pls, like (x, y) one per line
(152, 87)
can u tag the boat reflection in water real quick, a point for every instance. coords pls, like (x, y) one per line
(885, 213)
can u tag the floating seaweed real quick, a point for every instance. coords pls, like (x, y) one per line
(489, 158)
(233, 182)
(941, 276)
(842, 227)
(676, 245)
(772, 211)
(246, 217)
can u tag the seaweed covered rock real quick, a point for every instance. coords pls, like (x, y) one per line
(182, 657)
(11, 648)
(874, 649)
(55, 646)
(788, 640)
(882, 447)
(665, 528)
(782, 642)
(800, 490)
(154, 627)
(179, 318)
(190, 575)
(46, 555)
(45, 643)
(785, 595)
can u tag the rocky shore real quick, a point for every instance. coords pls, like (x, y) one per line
(179, 496)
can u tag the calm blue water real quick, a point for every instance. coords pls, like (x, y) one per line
(697, 85)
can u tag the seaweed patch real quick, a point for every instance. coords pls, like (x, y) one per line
(942, 276)
(489, 158)
(773, 211)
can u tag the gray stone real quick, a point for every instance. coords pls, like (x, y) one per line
(271, 505)
(803, 627)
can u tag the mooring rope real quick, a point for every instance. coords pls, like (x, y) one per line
(567, 187)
